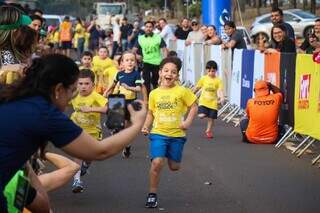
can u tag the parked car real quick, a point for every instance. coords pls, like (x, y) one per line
(54, 20)
(246, 36)
(301, 21)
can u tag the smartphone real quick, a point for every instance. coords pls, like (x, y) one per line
(116, 112)
(23, 185)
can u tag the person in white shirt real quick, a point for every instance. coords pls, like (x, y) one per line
(116, 37)
(195, 36)
(166, 32)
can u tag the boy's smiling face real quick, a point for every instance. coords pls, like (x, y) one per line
(85, 86)
(168, 75)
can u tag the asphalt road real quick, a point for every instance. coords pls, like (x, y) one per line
(243, 178)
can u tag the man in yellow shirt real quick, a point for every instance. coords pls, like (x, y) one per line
(87, 105)
(167, 106)
(211, 93)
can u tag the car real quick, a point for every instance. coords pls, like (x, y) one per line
(247, 38)
(301, 21)
(52, 20)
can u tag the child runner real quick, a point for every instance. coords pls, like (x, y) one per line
(167, 107)
(86, 60)
(87, 106)
(129, 81)
(211, 94)
(101, 62)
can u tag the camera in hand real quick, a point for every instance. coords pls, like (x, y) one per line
(116, 112)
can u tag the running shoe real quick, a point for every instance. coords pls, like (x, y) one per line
(209, 135)
(152, 200)
(77, 186)
(126, 152)
(84, 167)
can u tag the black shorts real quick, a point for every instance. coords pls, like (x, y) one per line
(66, 45)
(210, 113)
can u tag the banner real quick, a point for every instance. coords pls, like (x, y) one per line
(258, 70)
(235, 92)
(188, 74)
(180, 48)
(215, 54)
(272, 68)
(247, 77)
(226, 69)
(307, 90)
(180, 44)
(287, 82)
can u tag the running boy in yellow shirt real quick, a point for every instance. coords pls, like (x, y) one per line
(211, 94)
(167, 106)
(87, 105)
(101, 62)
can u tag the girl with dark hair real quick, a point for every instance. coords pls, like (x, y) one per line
(212, 37)
(280, 42)
(43, 94)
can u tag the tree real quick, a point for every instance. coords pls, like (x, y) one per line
(313, 6)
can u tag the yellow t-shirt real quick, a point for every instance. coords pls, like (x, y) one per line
(209, 87)
(50, 38)
(98, 67)
(101, 65)
(56, 37)
(89, 121)
(86, 40)
(79, 31)
(111, 73)
(168, 109)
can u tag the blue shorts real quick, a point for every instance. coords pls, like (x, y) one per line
(210, 113)
(164, 146)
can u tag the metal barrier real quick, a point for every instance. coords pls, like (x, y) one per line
(236, 86)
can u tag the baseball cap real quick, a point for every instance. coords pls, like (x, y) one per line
(194, 21)
(261, 88)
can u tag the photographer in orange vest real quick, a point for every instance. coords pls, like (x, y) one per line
(261, 124)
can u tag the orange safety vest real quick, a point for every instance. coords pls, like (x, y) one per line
(65, 31)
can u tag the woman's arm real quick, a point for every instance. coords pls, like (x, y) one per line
(41, 201)
(66, 170)
(87, 148)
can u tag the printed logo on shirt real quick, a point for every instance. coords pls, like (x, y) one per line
(166, 104)
(265, 102)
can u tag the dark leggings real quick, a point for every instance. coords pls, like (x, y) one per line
(150, 74)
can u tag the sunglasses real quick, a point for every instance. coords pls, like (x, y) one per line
(194, 24)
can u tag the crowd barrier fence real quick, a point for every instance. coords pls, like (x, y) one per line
(297, 75)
